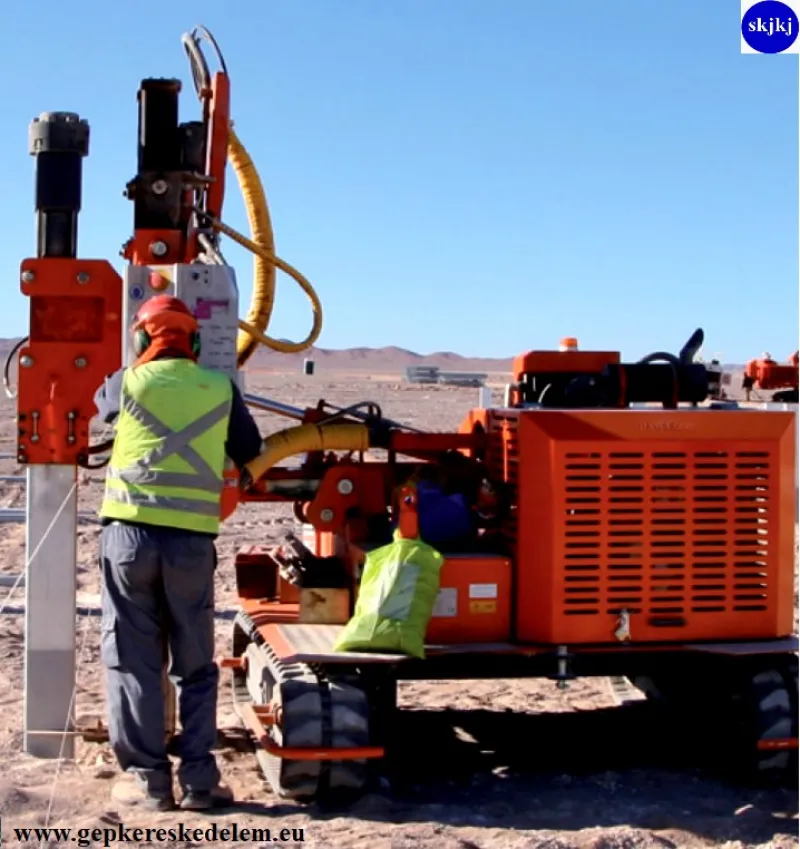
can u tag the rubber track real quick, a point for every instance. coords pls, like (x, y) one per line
(775, 700)
(318, 709)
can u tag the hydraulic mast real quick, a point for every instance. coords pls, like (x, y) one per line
(74, 309)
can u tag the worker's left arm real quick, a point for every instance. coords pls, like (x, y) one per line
(244, 440)
(108, 397)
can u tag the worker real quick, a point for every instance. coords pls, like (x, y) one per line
(175, 422)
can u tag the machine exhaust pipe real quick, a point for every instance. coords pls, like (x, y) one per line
(277, 407)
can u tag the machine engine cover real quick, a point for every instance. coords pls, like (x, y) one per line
(649, 525)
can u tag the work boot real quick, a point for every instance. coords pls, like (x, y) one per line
(204, 800)
(131, 791)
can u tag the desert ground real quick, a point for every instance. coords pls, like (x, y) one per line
(499, 764)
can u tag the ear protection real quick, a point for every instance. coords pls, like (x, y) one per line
(142, 341)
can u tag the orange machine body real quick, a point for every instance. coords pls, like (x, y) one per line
(639, 527)
(571, 360)
(769, 374)
(649, 525)
(475, 600)
(474, 606)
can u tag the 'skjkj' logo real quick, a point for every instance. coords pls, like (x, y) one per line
(770, 26)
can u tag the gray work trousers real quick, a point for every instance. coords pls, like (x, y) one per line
(158, 584)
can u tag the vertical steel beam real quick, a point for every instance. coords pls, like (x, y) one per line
(50, 602)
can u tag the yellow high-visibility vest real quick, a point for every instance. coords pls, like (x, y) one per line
(167, 464)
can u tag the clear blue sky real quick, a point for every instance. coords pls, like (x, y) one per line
(484, 177)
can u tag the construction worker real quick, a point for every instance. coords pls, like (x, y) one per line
(175, 422)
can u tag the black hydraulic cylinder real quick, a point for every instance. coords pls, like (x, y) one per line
(59, 141)
(157, 189)
(160, 136)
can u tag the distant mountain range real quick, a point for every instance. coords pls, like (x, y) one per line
(387, 359)
(390, 359)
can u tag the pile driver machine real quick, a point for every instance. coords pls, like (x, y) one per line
(622, 527)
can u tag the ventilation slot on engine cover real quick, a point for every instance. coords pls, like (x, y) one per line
(667, 534)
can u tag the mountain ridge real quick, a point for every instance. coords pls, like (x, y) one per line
(388, 358)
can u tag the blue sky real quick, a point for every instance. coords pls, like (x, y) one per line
(484, 177)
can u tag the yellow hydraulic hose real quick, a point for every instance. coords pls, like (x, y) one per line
(302, 438)
(264, 273)
(262, 245)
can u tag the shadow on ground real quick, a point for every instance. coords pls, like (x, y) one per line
(630, 765)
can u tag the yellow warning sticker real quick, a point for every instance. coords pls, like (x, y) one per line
(483, 606)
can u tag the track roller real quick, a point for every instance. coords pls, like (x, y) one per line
(315, 707)
(765, 721)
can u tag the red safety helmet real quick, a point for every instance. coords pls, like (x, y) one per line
(165, 312)
(167, 321)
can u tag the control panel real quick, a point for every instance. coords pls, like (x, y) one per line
(211, 294)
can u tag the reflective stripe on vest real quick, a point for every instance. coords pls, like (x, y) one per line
(136, 489)
(163, 502)
(174, 442)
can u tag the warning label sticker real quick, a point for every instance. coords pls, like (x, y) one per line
(483, 607)
(446, 602)
(483, 590)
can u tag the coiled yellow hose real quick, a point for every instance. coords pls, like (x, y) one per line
(262, 246)
(264, 273)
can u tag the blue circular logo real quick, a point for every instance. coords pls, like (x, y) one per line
(770, 26)
(136, 293)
